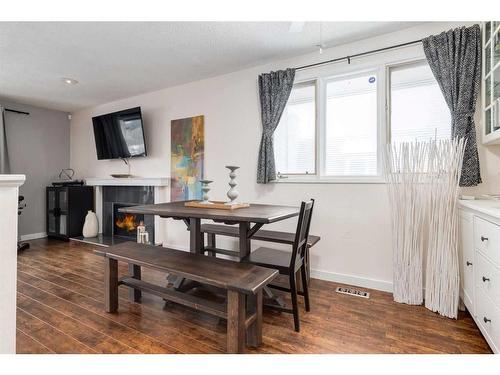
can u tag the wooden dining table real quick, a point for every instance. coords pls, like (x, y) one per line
(249, 220)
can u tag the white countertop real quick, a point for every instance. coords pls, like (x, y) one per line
(12, 179)
(485, 206)
(132, 181)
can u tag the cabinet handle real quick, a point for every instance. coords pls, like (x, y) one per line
(486, 320)
(485, 279)
(484, 238)
(469, 263)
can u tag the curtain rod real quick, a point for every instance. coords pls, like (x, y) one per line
(348, 58)
(15, 111)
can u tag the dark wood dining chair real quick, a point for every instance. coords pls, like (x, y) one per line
(289, 263)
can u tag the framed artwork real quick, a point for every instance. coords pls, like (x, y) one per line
(187, 158)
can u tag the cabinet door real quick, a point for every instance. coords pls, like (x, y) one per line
(62, 199)
(57, 211)
(467, 259)
(495, 78)
(52, 210)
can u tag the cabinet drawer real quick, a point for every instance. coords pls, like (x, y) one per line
(488, 319)
(488, 278)
(487, 239)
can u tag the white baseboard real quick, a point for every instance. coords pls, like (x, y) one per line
(33, 236)
(176, 247)
(381, 285)
(385, 286)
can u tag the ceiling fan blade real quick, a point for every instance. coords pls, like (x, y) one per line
(296, 27)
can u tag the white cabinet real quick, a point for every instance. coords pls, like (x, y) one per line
(467, 260)
(488, 320)
(491, 82)
(9, 185)
(480, 266)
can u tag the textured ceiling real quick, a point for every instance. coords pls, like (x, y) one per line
(114, 60)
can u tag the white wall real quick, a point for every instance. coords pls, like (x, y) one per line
(352, 219)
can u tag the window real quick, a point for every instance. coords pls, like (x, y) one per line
(418, 109)
(351, 126)
(295, 136)
(334, 128)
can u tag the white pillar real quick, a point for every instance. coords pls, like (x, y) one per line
(9, 189)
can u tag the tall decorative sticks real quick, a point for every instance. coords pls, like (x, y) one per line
(422, 180)
(405, 168)
(442, 283)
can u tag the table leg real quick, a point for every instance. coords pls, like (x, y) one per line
(195, 236)
(245, 249)
(176, 281)
(111, 285)
(196, 245)
(134, 271)
(235, 322)
(254, 331)
(245, 246)
(277, 300)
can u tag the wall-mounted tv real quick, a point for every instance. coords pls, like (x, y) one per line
(119, 135)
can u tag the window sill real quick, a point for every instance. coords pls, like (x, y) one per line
(332, 180)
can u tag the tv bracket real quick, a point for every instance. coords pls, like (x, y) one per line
(127, 163)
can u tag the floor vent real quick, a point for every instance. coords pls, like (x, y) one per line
(352, 292)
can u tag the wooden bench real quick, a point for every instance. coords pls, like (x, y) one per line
(287, 238)
(242, 282)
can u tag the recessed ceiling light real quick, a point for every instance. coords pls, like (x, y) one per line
(69, 81)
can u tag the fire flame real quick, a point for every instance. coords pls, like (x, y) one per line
(127, 222)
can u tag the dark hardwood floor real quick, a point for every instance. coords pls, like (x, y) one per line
(60, 310)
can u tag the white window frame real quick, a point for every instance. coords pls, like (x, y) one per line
(321, 75)
(388, 68)
(281, 176)
(321, 84)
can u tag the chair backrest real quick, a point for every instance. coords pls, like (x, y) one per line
(302, 233)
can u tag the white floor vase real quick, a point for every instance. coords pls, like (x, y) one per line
(91, 225)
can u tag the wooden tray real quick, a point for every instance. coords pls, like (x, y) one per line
(219, 205)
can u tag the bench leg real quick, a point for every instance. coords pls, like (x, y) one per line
(254, 331)
(235, 322)
(111, 285)
(211, 243)
(134, 271)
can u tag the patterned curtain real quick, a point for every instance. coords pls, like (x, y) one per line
(455, 60)
(274, 90)
(4, 156)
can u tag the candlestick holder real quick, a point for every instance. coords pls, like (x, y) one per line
(232, 194)
(205, 189)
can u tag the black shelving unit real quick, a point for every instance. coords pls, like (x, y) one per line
(67, 207)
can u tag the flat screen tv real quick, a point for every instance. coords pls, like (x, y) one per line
(119, 135)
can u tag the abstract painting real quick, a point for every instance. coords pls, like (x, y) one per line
(187, 158)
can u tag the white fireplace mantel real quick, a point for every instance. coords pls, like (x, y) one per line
(133, 181)
(161, 195)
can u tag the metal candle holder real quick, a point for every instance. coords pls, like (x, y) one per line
(232, 193)
(205, 189)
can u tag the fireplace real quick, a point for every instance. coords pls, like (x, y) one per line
(125, 225)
